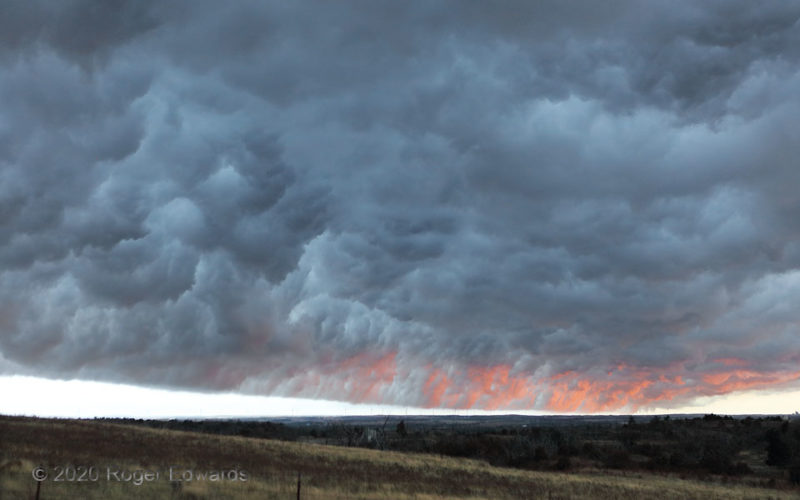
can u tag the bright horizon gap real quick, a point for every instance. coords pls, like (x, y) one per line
(42, 397)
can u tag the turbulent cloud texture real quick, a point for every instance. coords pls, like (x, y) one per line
(568, 206)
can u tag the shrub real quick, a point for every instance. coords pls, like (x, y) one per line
(563, 463)
(779, 453)
(617, 459)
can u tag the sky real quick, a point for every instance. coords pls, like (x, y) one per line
(554, 206)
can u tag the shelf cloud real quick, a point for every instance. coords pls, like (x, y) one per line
(562, 206)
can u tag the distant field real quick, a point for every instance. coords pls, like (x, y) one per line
(236, 467)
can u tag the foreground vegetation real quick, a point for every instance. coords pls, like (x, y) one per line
(270, 469)
(761, 451)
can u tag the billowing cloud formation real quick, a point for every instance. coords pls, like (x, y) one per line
(569, 206)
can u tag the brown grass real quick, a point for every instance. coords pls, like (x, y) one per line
(272, 466)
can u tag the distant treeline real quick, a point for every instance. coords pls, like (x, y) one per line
(766, 449)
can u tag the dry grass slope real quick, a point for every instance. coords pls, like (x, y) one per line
(272, 466)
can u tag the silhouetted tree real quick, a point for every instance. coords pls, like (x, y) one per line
(779, 453)
(401, 429)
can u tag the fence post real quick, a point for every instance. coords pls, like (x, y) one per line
(298, 485)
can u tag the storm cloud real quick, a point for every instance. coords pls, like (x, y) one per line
(567, 206)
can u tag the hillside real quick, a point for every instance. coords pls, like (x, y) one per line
(111, 458)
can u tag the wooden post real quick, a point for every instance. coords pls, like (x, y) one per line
(38, 487)
(298, 485)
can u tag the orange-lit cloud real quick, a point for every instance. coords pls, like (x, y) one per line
(737, 380)
(367, 378)
(362, 378)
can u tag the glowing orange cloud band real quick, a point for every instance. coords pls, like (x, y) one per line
(368, 378)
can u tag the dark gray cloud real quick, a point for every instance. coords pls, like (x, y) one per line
(432, 203)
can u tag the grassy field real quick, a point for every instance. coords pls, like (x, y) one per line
(228, 467)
